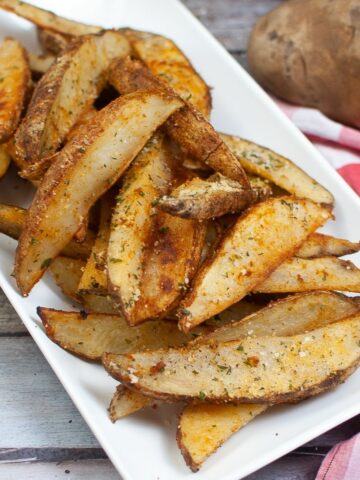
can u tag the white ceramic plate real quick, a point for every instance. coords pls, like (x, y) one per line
(143, 446)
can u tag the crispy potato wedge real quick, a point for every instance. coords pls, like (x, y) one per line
(93, 161)
(94, 277)
(133, 221)
(282, 172)
(5, 161)
(320, 245)
(171, 260)
(204, 199)
(292, 315)
(63, 94)
(40, 64)
(252, 370)
(45, 19)
(248, 253)
(188, 127)
(51, 42)
(81, 123)
(91, 335)
(12, 221)
(125, 401)
(15, 83)
(324, 273)
(166, 61)
(66, 273)
(202, 429)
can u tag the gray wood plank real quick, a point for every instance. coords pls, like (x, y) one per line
(10, 323)
(230, 20)
(35, 409)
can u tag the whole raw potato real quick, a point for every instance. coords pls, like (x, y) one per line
(307, 52)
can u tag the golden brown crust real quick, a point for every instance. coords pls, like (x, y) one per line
(46, 19)
(15, 83)
(53, 42)
(320, 245)
(188, 127)
(45, 234)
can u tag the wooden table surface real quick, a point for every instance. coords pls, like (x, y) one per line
(42, 435)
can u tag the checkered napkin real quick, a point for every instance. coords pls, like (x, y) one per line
(340, 145)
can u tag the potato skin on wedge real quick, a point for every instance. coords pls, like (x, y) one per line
(125, 402)
(14, 87)
(248, 253)
(320, 245)
(64, 93)
(93, 161)
(91, 335)
(265, 163)
(251, 370)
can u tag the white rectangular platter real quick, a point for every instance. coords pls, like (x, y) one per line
(143, 446)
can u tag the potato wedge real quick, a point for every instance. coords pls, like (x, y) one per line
(292, 315)
(187, 127)
(94, 277)
(67, 274)
(93, 161)
(202, 429)
(319, 245)
(204, 199)
(91, 335)
(63, 94)
(282, 172)
(171, 260)
(40, 64)
(133, 221)
(251, 370)
(53, 43)
(5, 161)
(324, 273)
(45, 19)
(166, 61)
(12, 221)
(15, 83)
(248, 253)
(98, 304)
(125, 401)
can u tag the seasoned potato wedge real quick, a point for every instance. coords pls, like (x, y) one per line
(282, 172)
(14, 85)
(91, 335)
(166, 61)
(202, 428)
(94, 277)
(93, 161)
(204, 199)
(63, 94)
(132, 223)
(171, 260)
(292, 315)
(249, 251)
(12, 221)
(319, 245)
(324, 273)
(45, 19)
(125, 401)
(98, 304)
(5, 161)
(252, 370)
(187, 127)
(52, 42)
(67, 274)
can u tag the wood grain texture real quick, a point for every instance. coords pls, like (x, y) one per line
(42, 435)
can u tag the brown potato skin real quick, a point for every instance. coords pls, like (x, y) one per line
(308, 61)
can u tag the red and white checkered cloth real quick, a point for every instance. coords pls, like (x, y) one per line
(340, 145)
